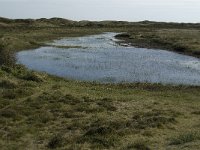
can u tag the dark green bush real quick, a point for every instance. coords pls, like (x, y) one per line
(6, 56)
(8, 113)
(139, 145)
(31, 76)
(99, 131)
(8, 84)
(196, 53)
(179, 48)
(55, 142)
(9, 94)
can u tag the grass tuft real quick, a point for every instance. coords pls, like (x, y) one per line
(138, 145)
(31, 76)
(150, 120)
(55, 142)
(185, 138)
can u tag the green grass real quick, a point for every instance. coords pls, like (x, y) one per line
(138, 145)
(40, 111)
(185, 41)
(185, 138)
(56, 113)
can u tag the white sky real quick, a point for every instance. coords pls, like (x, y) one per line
(129, 10)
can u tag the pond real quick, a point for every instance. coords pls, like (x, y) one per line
(99, 58)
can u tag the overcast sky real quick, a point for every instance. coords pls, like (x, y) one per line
(130, 10)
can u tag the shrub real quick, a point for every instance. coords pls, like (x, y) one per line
(196, 112)
(31, 76)
(179, 48)
(196, 53)
(8, 84)
(55, 141)
(8, 113)
(9, 94)
(99, 131)
(140, 145)
(6, 56)
(6, 68)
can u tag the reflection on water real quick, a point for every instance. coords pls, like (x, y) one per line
(101, 59)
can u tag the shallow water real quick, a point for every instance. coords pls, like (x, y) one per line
(102, 60)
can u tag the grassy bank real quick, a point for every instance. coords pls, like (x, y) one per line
(39, 111)
(185, 41)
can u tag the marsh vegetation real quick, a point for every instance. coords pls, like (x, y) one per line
(42, 111)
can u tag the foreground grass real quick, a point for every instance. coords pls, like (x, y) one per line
(39, 111)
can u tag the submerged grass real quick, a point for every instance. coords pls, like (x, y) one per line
(40, 111)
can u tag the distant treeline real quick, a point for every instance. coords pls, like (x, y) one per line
(60, 22)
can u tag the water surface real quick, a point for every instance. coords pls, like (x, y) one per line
(100, 59)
